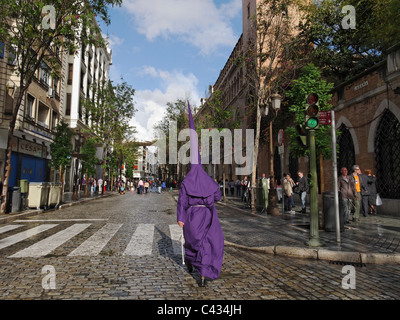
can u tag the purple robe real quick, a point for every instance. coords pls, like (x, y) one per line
(204, 239)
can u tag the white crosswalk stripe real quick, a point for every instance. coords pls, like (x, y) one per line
(47, 245)
(24, 235)
(9, 228)
(93, 245)
(140, 243)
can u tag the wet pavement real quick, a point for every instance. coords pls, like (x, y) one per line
(374, 239)
(264, 257)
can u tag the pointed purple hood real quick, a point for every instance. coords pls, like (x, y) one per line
(197, 182)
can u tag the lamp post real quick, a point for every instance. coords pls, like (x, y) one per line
(272, 209)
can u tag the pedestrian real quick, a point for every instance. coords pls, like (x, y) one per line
(100, 184)
(371, 185)
(237, 187)
(360, 185)
(347, 192)
(146, 186)
(140, 186)
(265, 190)
(302, 187)
(232, 187)
(288, 184)
(197, 215)
(84, 183)
(244, 184)
(364, 194)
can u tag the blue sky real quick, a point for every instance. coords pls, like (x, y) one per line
(170, 49)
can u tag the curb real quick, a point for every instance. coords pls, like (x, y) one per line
(322, 254)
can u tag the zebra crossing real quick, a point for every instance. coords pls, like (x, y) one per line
(140, 242)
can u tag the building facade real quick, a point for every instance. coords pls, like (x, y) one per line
(84, 69)
(367, 112)
(39, 114)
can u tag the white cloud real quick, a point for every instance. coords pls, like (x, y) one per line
(151, 104)
(198, 22)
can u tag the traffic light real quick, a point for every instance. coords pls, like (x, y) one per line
(302, 135)
(312, 119)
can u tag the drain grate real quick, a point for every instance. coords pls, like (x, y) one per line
(345, 263)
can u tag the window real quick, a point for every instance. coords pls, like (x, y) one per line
(387, 156)
(55, 85)
(43, 115)
(30, 107)
(45, 74)
(347, 157)
(12, 55)
(54, 120)
(70, 73)
(68, 106)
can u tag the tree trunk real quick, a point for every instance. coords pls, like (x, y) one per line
(255, 156)
(272, 194)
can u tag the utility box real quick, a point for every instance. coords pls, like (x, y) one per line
(38, 194)
(54, 194)
(24, 185)
(14, 199)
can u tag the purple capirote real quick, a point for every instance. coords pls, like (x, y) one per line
(204, 239)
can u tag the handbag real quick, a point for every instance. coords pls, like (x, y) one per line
(378, 200)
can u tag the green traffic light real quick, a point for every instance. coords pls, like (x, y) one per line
(312, 123)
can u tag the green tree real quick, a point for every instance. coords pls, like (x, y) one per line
(341, 51)
(175, 112)
(25, 31)
(60, 150)
(111, 111)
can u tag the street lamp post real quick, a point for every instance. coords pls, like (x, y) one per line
(272, 195)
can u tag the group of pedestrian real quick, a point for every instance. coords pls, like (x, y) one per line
(357, 192)
(290, 188)
(94, 185)
(145, 186)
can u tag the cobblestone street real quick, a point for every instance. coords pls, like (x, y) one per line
(109, 271)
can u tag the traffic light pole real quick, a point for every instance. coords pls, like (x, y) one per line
(314, 225)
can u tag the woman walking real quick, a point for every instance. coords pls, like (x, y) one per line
(196, 213)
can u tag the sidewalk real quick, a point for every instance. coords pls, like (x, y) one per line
(67, 202)
(375, 239)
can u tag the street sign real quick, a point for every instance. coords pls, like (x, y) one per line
(325, 118)
(281, 149)
(280, 137)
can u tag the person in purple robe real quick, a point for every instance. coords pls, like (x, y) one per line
(196, 213)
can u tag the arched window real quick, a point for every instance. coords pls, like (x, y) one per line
(347, 157)
(387, 155)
